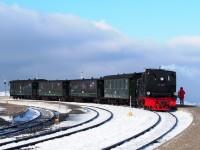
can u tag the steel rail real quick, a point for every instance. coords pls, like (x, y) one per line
(136, 135)
(161, 136)
(70, 133)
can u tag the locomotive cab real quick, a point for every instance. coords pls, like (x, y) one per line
(157, 89)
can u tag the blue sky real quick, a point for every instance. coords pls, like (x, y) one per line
(60, 39)
(142, 19)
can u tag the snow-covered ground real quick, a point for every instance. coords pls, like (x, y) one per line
(2, 109)
(184, 120)
(42, 104)
(74, 119)
(121, 127)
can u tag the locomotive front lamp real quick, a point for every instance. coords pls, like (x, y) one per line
(148, 92)
(161, 78)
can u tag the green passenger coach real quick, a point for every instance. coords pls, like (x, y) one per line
(121, 87)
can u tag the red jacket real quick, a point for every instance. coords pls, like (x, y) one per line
(181, 94)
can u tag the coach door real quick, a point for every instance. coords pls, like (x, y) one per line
(34, 90)
(132, 90)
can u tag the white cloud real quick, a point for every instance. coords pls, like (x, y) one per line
(188, 71)
(103, 25)
(61, 46)
(191, 41)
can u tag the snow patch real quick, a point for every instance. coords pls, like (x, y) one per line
(184, 120)
(74, 119)
(2, 109)
(120, 127)
(7, 118)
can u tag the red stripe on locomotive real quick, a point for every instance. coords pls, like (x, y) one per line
(160, 104)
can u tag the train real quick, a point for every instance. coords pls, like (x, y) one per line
(153, 89)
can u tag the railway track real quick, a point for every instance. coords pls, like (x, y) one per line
(15, 125)
(136, 135)
(44, 118)
(20, 126)
(150, 135)
(66, 131)
(45, 133)
(162, 135)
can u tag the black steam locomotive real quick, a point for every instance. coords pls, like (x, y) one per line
(153, 89)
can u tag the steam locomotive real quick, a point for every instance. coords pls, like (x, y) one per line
(152, 89)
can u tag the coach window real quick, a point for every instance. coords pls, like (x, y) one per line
(168, 78)
(116, 84)
(126, 84)
(106, 84)
(123, 84)
(120, 83)
(114, 81)
(109, 83)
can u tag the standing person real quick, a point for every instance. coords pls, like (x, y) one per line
(181, 94)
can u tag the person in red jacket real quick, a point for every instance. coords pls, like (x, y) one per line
(181, 95)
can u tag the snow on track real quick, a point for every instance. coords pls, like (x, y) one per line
(74, 119)
(104, 115)
(184, 120)
(121, 127)
(167, 122)
(114, 131)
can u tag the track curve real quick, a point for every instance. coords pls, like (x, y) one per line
(136, 135)
(162, 135)
(167, 123)
(18, 127)
(63, 129)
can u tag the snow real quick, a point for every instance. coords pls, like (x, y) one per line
(2, 109)
(30, 114)
(7, 118)
(121, 127)
(74, 119)
(42, 104)
(184, 120)
(166, 123)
